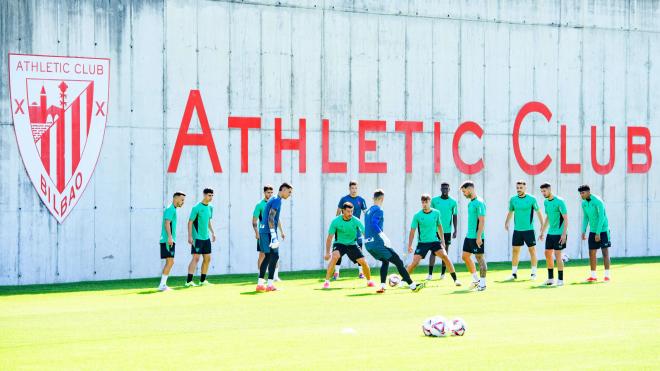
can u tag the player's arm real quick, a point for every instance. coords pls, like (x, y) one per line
(328, 243)
(601, 220)
(212, 231)
(411, 237)
(190, 236)
(455, 223)
(544, 226)
(564, 232)
(541, 218)
(255, 227)
(508, 220)
(585, 223)
(480, 229)
(279, 226)
(441, 233)
(338, 211)
(168, 229)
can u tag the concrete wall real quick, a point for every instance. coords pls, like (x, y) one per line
(590, 62)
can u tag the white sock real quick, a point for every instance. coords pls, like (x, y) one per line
(360, 269)
(277, 271)
(382, 285)
(533, 269)
(607, 273)
(413, 285)
(514, 269)
(593, 274)
(261, 282)
(475, 278)
(337, 268)
(327, 281)
(482, 281)
(270, 282)
(163, 280)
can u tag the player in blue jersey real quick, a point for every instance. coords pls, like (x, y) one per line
(269, 240)
(379, 245)
(359, 205)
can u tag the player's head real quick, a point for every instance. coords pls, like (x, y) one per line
(521, 187)
(285, 190)
(546, 190)
(379, 196)
(426, 201)
(208, 195)
(468, 189)
(585, 191)
(178, 199)
(353, 188)
(347, 210)
(268, 191)
(444, 189)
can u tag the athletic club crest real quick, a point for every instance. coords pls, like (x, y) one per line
(60, 107)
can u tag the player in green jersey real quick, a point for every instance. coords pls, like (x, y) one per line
(199, 226)
(556, 219)
(595, 217)
(448, 208)
(523, 206)
(474, 240)
(168, 237)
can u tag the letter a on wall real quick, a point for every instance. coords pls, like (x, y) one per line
(60, 107)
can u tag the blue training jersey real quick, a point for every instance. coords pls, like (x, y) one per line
(373, 220)
(359, 204)
(275, 203)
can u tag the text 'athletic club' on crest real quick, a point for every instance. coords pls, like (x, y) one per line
(59, 105)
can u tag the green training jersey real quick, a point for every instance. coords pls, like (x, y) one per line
(168, 214)
(476, 208)
(200, 216)
(594, 215)
(257, 213)
(346, 231)
(427, 225)
(523, 208)
(554, 209)
(448, 208)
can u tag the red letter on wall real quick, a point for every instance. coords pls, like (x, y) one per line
(327, 166)
(524, 111)
(369, 145)
(460, 164)
(408, 127)
(598, 168)
(245, 124)
(565, 167)
(186, 139)
(299, 145)
(643, 149)
(436, 147)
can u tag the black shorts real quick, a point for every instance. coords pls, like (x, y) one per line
(165, 252)
(423, 248)
(552, 242)
(447, 239)
(604, 241)
(526, 237)
(470, 245)
(201, 247)
(353, 252)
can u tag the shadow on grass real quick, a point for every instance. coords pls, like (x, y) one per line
(459, 292)
(587, 283)
(147, 284)
(331, 289)
(543, 287)
(253, 292)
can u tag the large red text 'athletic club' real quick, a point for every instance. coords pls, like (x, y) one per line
(638, 143)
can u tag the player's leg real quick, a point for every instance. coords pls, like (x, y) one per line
(384, 266)
(191, 270)
(366, 270)
(398, 263)
(337, 267)
(262, 272)
(483, 268)
(530, 241)
(431, 266)
(515, 259)
(336, 255)
(606, 262)
(442, 254)
(206, 262)
(592, 264)
(355, 255)
(272, 263)
(414, 263)
(169, 262)
(549, 262)
(560, 267)
(260, 259)
(469, 263)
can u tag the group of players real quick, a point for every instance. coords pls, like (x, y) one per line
(434, 224)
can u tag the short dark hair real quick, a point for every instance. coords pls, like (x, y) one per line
(521, 182)
(177, 194)
(347, 205)
(583, 188)
(208, 191)
(379, 193)
(426, 197)
(545, 185)
(467, 184)
(285, 185)
(352, 183)
(444, 184)
(268, 187)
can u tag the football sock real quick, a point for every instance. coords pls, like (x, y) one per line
(202, 277)
(534, 270)
(560, 275)
(514, 269)
(551, 273)
(607, 272)
(475, 278)
(453, 275)
(189, 279)
(270, 282)
(482, 281)
(593, 274)
(163, 280)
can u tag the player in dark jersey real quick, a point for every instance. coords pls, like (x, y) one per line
(258, 221)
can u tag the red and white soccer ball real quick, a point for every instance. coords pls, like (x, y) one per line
(458, 327)
(394, 280)
(565, 258)
(436, 327)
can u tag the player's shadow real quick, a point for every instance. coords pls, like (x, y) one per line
(459, 292)
(543, 287)
(331, 289)
(587, 283)
(511, 281)
(251, 293)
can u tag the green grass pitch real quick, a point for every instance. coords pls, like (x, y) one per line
(121, 325)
